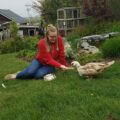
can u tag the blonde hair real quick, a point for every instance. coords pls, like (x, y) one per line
(50, 28)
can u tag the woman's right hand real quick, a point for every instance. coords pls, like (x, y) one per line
(66, 68)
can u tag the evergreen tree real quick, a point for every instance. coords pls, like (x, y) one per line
(114, 6)
(48, 8)
(98, 9)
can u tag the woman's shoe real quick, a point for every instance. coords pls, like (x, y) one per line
(17, 72)
(49, 77)
(10, 77)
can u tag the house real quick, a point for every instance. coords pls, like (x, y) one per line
(6, 16)
(28, 30)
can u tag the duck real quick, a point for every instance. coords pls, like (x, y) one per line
(92, 68)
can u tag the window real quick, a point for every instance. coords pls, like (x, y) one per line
(61, 14)
(68, 13)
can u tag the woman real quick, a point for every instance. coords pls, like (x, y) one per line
(50, 56)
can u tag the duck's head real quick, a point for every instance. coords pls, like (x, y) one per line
(75, 64)
(78, 66)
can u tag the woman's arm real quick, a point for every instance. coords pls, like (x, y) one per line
(45, 57)
(62, 58)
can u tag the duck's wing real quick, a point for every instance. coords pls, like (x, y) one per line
(91, 66)
(89, 72)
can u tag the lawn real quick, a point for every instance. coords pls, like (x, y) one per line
(69, 97)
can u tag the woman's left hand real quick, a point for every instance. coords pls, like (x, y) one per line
(66, 68)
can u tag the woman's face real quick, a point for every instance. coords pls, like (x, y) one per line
(52, 37)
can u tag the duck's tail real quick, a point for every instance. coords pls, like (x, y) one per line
(110, 63)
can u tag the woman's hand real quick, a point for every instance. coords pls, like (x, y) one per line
(66, 68)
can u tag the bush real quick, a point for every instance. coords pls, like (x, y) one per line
(91, 27)
(11, 45)
(111, 48)
(97, 57)
(31, 43)
(17, 44)
(27, 55)
(30, 49)
(5, 46)
(13, 29)
(72, 36)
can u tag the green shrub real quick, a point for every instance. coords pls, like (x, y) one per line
(5, 47)
(111, 48)
(17, 44)
(11, 45)
(30, 48)
(91, 28)
(72, 36)
(27, 55)
(13, 29)
(97, 57)
(31, 43)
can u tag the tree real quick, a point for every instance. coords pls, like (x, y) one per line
(13, 29)
(86, 8)
(98, 9)
(48, 8)
(114, 6)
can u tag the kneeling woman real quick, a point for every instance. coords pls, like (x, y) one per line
(50, 56)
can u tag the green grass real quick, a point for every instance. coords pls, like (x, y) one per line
(69, 97)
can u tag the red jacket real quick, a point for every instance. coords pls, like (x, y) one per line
(55, 57)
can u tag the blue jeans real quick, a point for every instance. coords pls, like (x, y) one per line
(35, 70)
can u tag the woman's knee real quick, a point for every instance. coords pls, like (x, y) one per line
(30, 72)
(25, 74)
(42, 72)
(39, 75)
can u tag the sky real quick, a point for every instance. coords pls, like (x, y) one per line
(19, 7)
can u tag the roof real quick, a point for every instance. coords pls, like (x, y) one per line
(66, 8)
(12, 16)
(28, 26)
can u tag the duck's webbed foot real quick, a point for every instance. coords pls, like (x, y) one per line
(88, 78)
